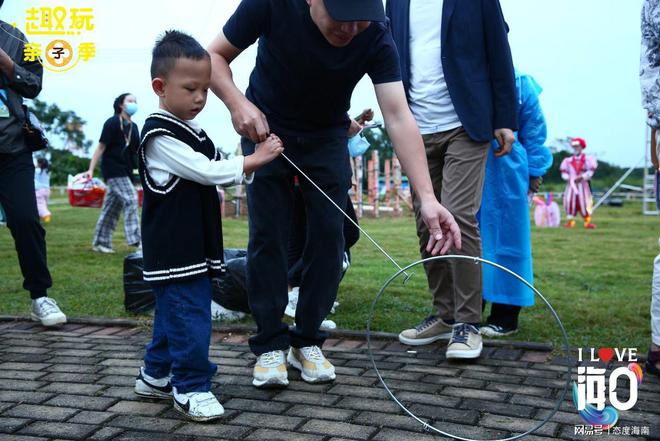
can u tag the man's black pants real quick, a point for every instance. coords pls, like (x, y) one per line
(270, 204)
(18, 199)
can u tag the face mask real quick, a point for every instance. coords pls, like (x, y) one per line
(357, 145)
(130, 108)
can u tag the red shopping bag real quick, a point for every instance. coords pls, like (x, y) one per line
(86, 193)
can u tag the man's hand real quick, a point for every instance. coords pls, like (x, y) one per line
(535, 184)
(364, 117)
(505, 139)
(249, 121)
(443, 229)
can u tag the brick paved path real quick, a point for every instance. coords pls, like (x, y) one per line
(76, 383)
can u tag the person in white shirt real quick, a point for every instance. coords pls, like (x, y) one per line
(459, 80)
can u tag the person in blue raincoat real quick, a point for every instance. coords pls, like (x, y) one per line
(504, 215)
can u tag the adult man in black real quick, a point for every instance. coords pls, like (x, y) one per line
(20, 79)
(311, 55)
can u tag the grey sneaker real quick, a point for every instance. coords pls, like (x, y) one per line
(46, 311)
(465, 342)
(431, 329)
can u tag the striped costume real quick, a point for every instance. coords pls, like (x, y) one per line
(577, 197)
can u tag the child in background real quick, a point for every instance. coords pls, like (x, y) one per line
(42, 188)
(181, 230)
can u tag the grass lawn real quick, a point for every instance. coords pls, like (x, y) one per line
(598, 281)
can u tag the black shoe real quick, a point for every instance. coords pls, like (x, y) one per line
(651, 359)
(497, 331)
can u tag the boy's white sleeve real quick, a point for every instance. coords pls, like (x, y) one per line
(167, 156)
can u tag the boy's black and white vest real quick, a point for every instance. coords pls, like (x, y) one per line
(181, 226)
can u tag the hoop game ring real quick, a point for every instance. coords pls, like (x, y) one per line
(500, 267)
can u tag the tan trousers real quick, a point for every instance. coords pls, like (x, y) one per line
(457, 166)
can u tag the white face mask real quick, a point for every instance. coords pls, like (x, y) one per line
(357, 145)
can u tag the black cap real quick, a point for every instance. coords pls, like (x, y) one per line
(355, 10)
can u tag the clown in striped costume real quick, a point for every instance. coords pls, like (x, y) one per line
(578, 170)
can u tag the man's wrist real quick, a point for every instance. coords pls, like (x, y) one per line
(426, 197)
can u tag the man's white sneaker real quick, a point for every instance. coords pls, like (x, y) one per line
(270, 370)
(150, 387)
(313, 366)
(293, 302)
(198, 406)
(103, 249)
(46, 311)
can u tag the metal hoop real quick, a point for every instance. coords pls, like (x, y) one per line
(475, 260)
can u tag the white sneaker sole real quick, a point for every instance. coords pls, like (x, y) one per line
(271, 382)
(198, 418)
(423, 341)
(464, 354)
(324, 378)
(51, 321)
(103, 250)
(145, 391)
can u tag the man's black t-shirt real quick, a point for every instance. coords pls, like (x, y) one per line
(116, 161)
(300, 82)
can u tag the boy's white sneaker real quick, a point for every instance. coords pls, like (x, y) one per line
(270, 370)
(312, 364)
(46, 311)
(197, 406)
(150, 387)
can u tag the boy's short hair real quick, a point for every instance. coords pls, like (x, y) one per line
(171, 46)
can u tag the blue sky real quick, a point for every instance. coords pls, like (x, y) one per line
(584, 53)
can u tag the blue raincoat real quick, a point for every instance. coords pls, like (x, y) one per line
(504, 215)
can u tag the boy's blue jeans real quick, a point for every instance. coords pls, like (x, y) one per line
(181, 335)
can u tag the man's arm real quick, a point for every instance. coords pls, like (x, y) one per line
(502, 77)
(247, 119)
(24, 77)
(650, 66)
(409, 147)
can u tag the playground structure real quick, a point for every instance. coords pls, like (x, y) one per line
(393, 192)
(385, 192)
(649, 164)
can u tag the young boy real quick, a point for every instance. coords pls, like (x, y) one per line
(182, 236)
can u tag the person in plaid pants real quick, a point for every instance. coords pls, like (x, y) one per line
(119, 137)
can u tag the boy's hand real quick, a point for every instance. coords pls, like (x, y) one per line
(269, 149)
(264, 152)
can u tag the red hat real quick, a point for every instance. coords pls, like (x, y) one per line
(578, 142)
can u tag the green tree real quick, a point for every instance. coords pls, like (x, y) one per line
(69, 128)
(65, 124)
